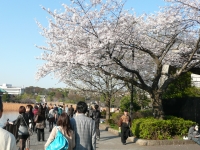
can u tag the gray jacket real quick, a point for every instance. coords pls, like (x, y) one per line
(85, 134)
(190, 133)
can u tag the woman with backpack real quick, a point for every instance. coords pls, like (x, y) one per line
(63, 125)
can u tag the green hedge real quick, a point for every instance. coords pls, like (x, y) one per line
(150, 128)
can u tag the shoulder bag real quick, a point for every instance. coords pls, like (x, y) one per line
(29, 129)
(59, 143)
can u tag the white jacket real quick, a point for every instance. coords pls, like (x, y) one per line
(7, 140)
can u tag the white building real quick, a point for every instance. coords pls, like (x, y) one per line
(195, 80)
(11, 89)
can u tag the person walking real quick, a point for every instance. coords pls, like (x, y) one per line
(96, 115)
(35, 112)
(71, 111)
(66, 109)
(90, 111)
(52, 116)
(8, 141)
(23, 122)
(59, 110)
(124, 126)
(46, 110)
(29, 111)
(84, 128)
(56, 111)
(63, 124)
(40, 125)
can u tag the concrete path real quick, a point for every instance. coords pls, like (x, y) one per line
(110, 141)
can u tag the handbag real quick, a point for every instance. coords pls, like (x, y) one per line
(30, 132)
(59, 143)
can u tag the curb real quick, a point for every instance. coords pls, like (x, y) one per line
(144, 142)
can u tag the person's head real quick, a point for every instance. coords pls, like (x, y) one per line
(96, 107)
(22, 109)
(125, 112)
(196, 127)
(50, 107)
(64, 122)
(1, 107)
(81, 107)
(29, 108)
(71, 105)
(35, 107)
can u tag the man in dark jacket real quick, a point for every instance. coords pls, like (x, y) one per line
(71, 111)
(96, 115)
(40, 125)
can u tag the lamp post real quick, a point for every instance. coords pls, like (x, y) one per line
(131, 101)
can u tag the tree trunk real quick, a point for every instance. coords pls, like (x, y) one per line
(157, 106)
(107, 104)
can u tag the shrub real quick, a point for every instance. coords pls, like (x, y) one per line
(150, 128)
(116, 116)
(109, 121)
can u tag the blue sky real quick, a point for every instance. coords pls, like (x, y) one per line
(19, 33)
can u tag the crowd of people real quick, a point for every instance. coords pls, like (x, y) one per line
(79, 127)
(76, 125)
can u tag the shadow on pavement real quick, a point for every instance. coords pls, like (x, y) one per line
(108, 138)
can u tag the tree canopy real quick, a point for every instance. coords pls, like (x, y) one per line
(103, 35)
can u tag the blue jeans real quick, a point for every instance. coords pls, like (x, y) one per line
(197, 140)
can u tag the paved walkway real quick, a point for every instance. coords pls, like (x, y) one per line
(110, 141)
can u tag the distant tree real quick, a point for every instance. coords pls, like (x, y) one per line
(87, 79)
(5, 97)
(38, 99)
(125, 104)
(142, 98)
(25, 96)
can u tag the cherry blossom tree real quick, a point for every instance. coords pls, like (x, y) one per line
(89, 80)
(105, 37)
